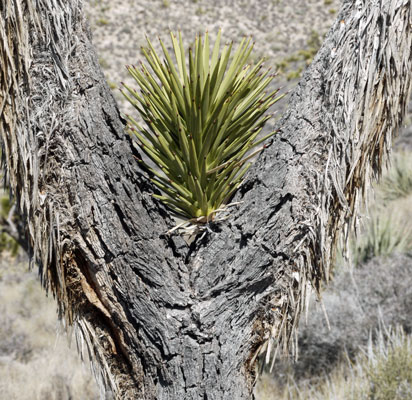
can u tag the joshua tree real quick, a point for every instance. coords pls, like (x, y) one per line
(161, 319)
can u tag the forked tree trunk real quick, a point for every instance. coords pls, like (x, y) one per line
(163, 320)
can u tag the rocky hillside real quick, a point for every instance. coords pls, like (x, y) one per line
(286, 32)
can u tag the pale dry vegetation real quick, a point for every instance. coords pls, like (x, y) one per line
(386, 227)
(36, 362)
(382, 371)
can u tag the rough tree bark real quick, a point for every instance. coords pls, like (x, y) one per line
(163, 320)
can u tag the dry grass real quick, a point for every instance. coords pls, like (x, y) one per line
(397, 182)
(386, 232)
(383, 371)
(36, 362)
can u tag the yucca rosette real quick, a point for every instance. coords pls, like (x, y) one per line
(203, 117)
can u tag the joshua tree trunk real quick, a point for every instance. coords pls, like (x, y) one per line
(161, 319)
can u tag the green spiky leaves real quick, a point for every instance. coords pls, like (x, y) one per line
(203, 117)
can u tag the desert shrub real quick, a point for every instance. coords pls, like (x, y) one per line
(13, 343)
(7, 243)
(35, 363)
(387, 229)
(397, 182)
(381, 371)
(383, 235)
(387, 366)
(357, 302)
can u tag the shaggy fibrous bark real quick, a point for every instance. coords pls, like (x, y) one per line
(161, 319)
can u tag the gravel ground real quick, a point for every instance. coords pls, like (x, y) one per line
(280, 28)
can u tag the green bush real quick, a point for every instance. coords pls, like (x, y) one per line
(203, 119)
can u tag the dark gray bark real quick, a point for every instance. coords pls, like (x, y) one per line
(162, 320)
